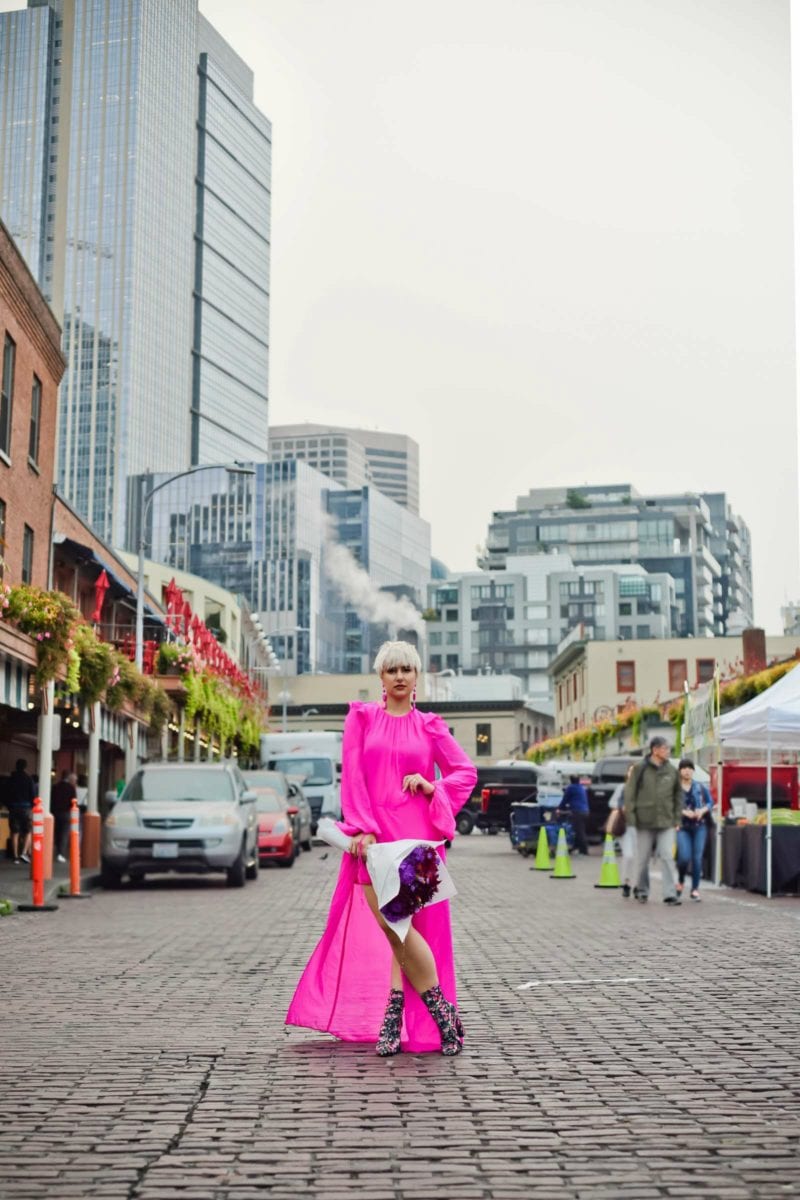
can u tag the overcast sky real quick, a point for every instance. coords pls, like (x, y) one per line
(549, 239)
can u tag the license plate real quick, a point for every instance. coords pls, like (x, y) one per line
(165, 849)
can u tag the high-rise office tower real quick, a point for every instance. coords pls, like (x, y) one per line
(230, 356)
(103, 185)
(388, 461)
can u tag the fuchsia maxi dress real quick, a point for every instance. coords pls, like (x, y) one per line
(345, 987)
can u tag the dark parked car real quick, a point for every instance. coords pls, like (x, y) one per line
(290, 793)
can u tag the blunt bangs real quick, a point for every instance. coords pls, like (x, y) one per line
(397, 654)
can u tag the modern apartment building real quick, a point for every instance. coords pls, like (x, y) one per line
(388, 461)
(614, 524)
(134, 176)
(514, 619)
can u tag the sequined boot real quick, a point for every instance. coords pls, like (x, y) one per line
(389, 1037)
(446, 1017)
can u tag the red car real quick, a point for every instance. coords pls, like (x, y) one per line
(275, 836)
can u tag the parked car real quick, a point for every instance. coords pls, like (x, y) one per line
(318, 775)
(276, 840)
(291, 794)
(192, 818)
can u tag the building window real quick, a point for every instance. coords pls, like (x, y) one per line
(435, 639)
(626, 677)
(452, 637)
(575, 686)
(36, 412)
(2, 537)
(7, 394)
(27, 555)
(705, 670)
(643, 631)
(677, 673)
(625, 610)
(483, 741)
(451, 614)
(452, 661)
(626, 631)
(435, 662)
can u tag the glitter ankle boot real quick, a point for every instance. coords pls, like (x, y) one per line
(389, 1037)
(446, 1017)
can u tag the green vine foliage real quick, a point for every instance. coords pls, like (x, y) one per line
(96, 664)
(48, 618)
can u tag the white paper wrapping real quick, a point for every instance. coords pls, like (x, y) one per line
(383, 864)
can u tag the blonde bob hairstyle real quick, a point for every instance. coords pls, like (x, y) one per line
(397, 654)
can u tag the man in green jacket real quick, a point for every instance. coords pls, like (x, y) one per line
(653, 806)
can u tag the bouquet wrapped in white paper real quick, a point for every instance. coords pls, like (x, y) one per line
(407, 875)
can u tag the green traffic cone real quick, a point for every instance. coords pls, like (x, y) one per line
(542, 861)
(609, 875)
(563, 868)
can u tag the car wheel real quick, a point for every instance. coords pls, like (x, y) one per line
(307, 844)
(287, 862)
(110, 877)
(252, 870)
(236, 874)
(465, 824)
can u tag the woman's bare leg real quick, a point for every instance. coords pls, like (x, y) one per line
(412, 958)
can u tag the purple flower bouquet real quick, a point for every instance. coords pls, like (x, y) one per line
(419, 882)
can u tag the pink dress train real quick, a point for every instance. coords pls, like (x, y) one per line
(345, 986)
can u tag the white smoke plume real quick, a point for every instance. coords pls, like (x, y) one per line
(357, 589)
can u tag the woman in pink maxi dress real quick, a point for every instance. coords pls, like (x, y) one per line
(390, 754)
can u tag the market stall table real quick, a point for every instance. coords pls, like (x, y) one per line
(744, 858)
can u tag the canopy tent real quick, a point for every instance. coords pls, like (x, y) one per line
(770, 721)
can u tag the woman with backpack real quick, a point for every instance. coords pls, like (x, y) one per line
(696, 817)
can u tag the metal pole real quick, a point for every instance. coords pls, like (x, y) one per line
(768, 841)
(140, 592)
(285, 681)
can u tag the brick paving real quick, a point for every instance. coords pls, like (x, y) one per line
(143, 1053)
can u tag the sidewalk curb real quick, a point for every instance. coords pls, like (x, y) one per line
(90, 879)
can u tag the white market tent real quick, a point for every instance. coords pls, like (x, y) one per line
(770, 721)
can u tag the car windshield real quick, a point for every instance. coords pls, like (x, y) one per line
(314, 771)
(256, 780)
(192, 784)
(268, 801)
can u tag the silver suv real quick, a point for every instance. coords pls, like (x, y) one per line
(186, 817)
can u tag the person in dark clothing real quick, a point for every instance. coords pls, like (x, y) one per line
(20, 797)
(61, 806)
(576, 802)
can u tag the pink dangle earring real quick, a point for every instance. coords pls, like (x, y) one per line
(383, 697)
(414, 698)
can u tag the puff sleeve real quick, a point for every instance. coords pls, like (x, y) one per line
(357, 814)
(458, 777)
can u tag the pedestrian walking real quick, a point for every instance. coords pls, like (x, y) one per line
(390, 754)
(653, 805)
(64, 792)
(21, 795)
(576, 802)
(627, 839)
(696, 815)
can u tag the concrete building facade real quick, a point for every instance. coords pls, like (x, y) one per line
(595, 680)
(390, 461)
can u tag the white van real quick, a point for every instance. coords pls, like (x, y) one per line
(314, 757)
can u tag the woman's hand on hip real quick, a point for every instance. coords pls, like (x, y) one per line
(417, 783)
(358, 846)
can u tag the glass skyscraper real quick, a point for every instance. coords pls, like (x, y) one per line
(232, 250)
(106, 181)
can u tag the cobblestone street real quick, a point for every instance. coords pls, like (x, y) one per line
(613, 1049)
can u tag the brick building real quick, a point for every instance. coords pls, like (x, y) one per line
(32, 366)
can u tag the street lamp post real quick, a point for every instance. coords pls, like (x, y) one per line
(145, 499)
(284, 633)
